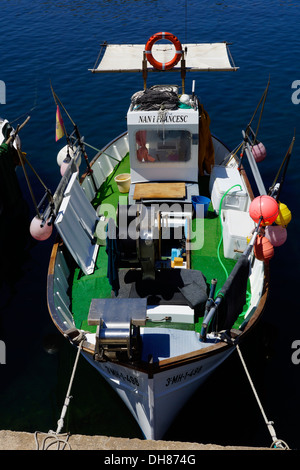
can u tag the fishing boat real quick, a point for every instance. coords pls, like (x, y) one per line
(160, 267)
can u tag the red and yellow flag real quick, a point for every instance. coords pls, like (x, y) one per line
(59, 125)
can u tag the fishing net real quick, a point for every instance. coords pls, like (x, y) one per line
(155, 98)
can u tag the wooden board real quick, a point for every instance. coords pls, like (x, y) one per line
(159, 191)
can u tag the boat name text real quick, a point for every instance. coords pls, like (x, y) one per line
(125, 377)
(156, 118)
(175, 379)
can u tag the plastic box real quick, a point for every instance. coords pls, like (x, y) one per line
(237, 226)
(222, 179)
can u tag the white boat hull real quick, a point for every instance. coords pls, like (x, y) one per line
(154, 397)
(155, 401)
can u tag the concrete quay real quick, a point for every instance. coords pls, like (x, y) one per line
(11, 440)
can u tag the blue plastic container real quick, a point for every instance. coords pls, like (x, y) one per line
(205, 201)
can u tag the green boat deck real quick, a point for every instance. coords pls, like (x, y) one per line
(209, 259)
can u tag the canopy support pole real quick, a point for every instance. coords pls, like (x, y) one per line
(145, 71)
(183, 73)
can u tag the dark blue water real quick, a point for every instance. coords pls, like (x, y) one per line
(58, 41)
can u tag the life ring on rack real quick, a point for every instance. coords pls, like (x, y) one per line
(178, 51)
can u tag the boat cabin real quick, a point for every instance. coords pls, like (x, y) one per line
(163, 143)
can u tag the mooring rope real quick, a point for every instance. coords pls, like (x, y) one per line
(277, 443)
(55, 438)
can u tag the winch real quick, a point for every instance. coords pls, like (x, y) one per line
(146, 236)
(118, 327)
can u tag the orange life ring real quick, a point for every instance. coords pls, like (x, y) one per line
(178, 51)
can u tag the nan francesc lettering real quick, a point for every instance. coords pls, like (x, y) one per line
(166, 118)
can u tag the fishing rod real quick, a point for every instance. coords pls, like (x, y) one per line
(248, 128)
(262, 108)
(22, 115)
(284, 166)
(47, 195)
(23, 159)
(10, 139)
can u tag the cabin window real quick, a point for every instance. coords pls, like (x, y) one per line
(163, 146)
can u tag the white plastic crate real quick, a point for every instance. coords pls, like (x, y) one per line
(221, 180)
(237, 226)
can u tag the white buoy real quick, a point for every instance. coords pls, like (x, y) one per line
(63, 153)
(64, 157)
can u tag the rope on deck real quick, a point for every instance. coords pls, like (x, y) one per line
(55, 438)
(277, 443)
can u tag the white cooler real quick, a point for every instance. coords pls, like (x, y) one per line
(222, 179)
(237, 226)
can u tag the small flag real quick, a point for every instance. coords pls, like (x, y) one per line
(59, 125)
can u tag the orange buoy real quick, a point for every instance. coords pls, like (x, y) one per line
(284, 215)
(265, 207)
(263, 249)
